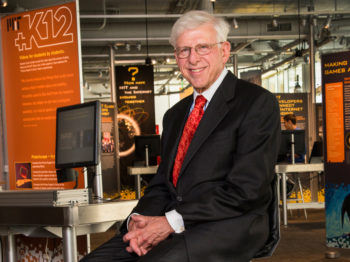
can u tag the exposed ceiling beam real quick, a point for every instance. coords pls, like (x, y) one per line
(284, 48)
(291, 58)
(241, 46)
(236, 37)
(229, 15)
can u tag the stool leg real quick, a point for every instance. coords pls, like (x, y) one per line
(11, 248)
(302, 195)
(138, 186)
(284, 199)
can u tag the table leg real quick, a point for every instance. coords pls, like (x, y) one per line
(278, 189)
(70, 253)
(284, 198)
(138, 186)
(11, 248)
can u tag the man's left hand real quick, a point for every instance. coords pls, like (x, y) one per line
(146, 233)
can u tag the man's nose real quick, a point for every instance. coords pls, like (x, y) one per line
(193, 58)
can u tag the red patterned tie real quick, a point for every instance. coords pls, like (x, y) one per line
(187, 134)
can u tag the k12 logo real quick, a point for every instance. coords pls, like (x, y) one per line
(43, 28)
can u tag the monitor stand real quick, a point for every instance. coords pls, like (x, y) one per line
(70, 174)
(98, 184)
(146, 156)
(293, 148)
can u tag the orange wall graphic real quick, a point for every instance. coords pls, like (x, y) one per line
(335, 122)
(41, 73)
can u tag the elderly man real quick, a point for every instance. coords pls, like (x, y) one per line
(209, 199)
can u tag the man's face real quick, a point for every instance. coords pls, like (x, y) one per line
(202, 70)
(288, 125)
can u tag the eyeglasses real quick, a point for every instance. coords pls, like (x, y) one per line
(201, 49)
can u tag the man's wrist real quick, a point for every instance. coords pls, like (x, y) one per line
(128, 220)
(176, 221)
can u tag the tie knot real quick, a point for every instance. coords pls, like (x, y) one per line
(200, 101)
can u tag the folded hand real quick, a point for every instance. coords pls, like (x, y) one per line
(145, 232)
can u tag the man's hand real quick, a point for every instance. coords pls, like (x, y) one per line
(146, 232)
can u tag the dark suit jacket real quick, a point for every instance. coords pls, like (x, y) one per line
(224, 188)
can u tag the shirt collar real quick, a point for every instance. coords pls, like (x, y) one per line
(209, 93)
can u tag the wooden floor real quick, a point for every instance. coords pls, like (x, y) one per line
(302, 241)
(305, 240)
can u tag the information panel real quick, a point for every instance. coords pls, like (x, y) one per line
(293, 104)
(336, 114)
(135, 100)
(136, 115)
(108, 150)
(41, 73)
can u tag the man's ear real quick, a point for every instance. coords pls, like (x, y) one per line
(226, 48)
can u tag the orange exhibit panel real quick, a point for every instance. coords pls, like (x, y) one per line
(41, 73)
(335, 122)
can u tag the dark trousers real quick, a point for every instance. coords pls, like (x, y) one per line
(173, 249)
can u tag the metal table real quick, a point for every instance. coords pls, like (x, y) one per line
(62, 221)
(282, 171)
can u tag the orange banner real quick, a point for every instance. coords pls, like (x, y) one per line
(335, 122)
(41, 73)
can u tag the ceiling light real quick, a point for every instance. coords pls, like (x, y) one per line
(303, 21)
(235, 23)
(274, 22)
(3, 3)
(297, 87)
(328, 23)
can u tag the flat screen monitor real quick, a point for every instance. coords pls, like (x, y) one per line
(152, 142)
(286, 143)
(78, 135)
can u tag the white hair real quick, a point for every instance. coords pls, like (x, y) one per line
(196, 18)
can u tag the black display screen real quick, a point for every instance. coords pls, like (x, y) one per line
(77, 135)
(286, 142)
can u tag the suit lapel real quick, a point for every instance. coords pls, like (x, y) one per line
(214, 114)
